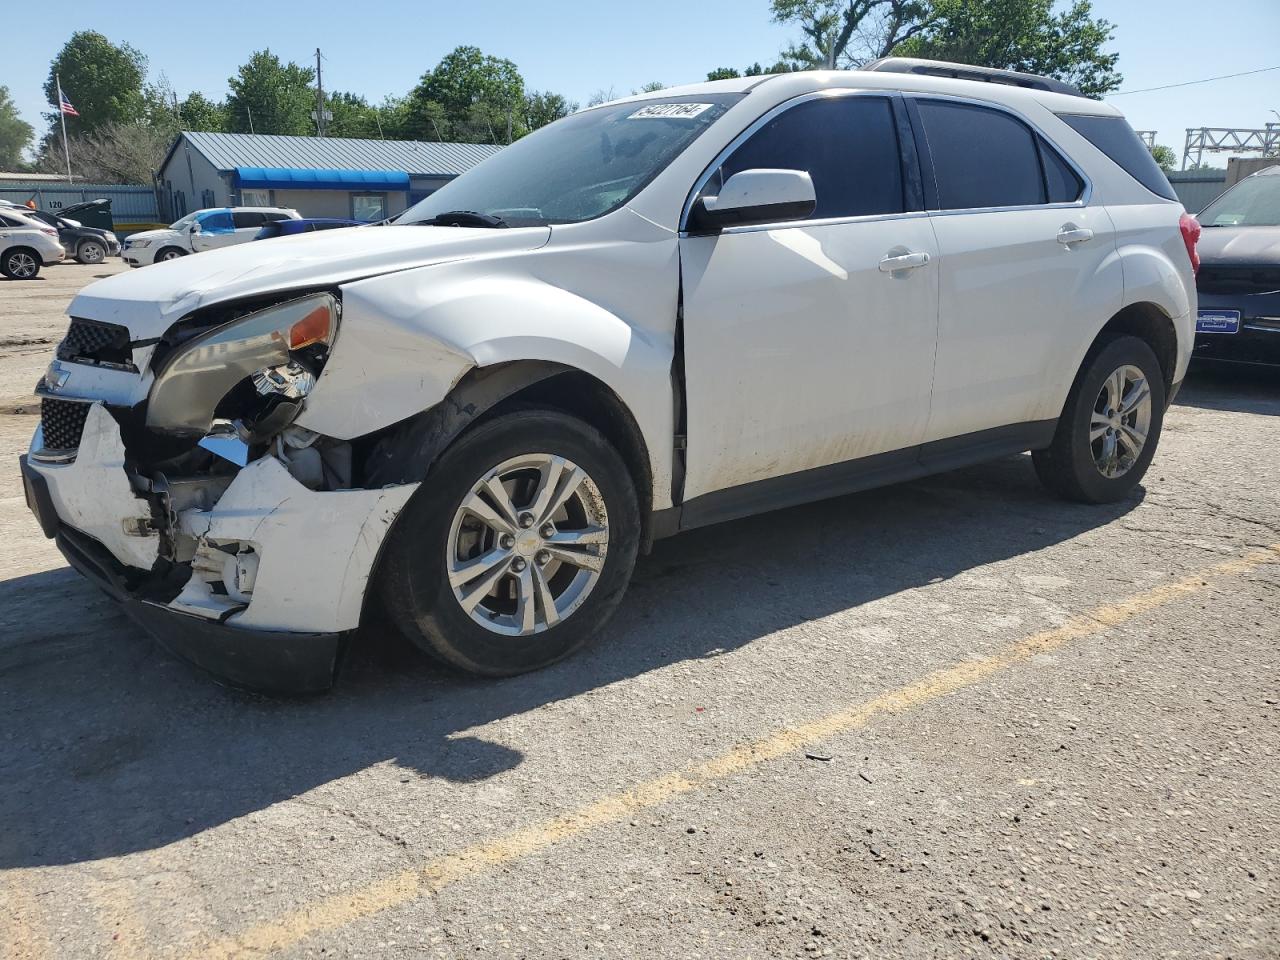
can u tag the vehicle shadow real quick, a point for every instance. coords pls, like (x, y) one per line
(1236, 387)
(110, 746)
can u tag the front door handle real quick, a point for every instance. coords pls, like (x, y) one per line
(906, 261)
(1070, 234)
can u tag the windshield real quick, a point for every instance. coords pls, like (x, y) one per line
(183, 223)
(1251, 203)
(577, 168)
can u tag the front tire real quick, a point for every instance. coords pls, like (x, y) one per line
(20, 264)
(169, 253)
(517, 548)
(91, 252)
(1109, 427)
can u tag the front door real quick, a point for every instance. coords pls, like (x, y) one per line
(810, 344)
(215, 229)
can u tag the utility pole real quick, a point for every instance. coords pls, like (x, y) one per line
(249, 110)
(319, 115)
(176, 111)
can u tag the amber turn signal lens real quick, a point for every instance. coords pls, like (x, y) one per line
(313, 328)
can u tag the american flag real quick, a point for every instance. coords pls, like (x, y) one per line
(67, 108)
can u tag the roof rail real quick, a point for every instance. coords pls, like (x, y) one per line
(962, 71)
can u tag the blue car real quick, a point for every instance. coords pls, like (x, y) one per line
(287, 228)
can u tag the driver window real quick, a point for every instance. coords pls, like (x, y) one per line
(848, 145)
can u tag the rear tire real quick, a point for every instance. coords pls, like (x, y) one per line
(1109, 427)
(553, 570)
(20, 263)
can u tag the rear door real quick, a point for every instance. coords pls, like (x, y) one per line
(247, 224)
(1024, 266)
(803, 348)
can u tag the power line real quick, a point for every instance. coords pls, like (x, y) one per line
(1192, 83)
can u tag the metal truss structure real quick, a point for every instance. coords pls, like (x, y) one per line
(1202, 140)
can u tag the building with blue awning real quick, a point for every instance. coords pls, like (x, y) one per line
(317, 176)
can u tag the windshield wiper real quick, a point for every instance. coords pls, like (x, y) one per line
(464, 218)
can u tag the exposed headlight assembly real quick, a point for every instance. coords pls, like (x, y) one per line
(263, 365)
(139, 243)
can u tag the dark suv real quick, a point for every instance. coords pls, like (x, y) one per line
(85, 244)
(1239, 280)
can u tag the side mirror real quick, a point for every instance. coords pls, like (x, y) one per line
(194, 228)
(753, 197)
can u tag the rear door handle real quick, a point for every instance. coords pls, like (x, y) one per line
(1069, 235)
(906, 261)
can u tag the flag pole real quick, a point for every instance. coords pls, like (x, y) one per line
(62, 115)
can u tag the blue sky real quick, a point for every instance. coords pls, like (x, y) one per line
(382, 46)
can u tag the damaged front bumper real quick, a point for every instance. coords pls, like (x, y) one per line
(256, 578)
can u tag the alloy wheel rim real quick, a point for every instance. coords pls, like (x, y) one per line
(93, 253)
(23, 266)
(527, 544)
(170, 255)
(1120, 421)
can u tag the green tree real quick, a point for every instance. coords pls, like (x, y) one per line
(480, 98)
(755, 70)
(845, 33)
(541, 109)
(1165, 157)
(352, 117)
(15, 133)
(103, 82)
(198, 112)
(268, 96)
(1021, 35)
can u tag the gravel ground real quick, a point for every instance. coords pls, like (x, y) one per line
(955, 717)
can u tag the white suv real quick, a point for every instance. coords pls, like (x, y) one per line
(26, 244)
(199, 231)
(653, 315)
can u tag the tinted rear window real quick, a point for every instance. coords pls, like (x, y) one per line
(981, 157)
(1114, 137)
(1063, 183)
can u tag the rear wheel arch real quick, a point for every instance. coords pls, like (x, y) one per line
(1150, 324)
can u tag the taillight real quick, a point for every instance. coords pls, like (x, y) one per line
(1190, 228)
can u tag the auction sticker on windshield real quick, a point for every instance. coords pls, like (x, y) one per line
(670, 111)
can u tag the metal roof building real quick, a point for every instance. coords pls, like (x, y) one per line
(318, 176)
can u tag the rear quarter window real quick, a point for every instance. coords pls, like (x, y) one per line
(1114, 137)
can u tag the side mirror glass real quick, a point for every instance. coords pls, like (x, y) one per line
(754, 197)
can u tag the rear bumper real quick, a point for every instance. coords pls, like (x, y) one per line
(263, 661)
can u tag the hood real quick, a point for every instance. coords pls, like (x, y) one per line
(1248, 246)
(153, 234)
(149, 301)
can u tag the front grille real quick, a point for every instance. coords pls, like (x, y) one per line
(1215, 279)
(62, 422)
(88, 341)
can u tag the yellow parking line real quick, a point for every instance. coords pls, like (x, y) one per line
(340, 910)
